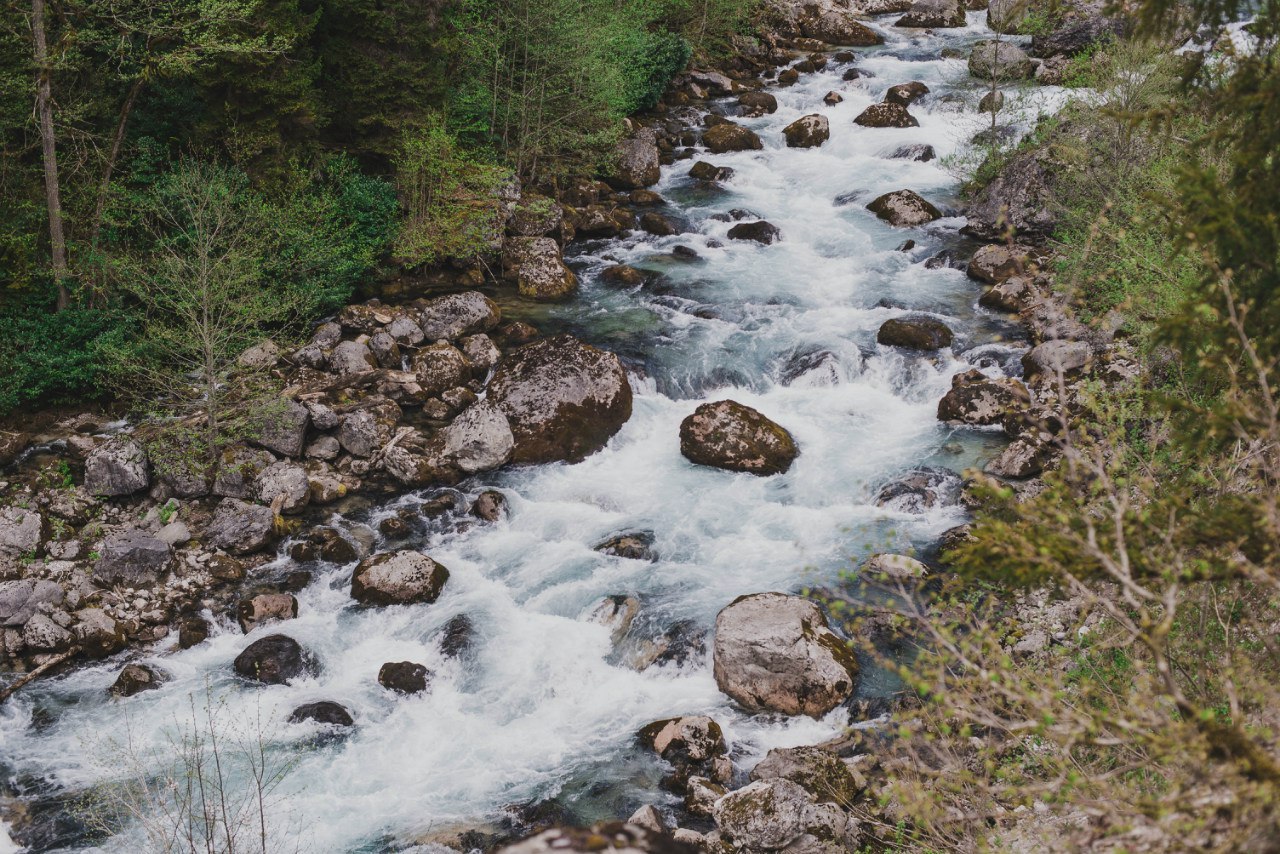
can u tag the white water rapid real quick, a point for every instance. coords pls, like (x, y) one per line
(539, 710)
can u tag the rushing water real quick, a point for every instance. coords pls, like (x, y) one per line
(540, 710)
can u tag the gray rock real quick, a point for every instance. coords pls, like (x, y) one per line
(774, 652)
(771, 815)
(1018, 202)
(914, 332)
(287, 482)
(807, 131)
(977, 400)
(535, 265)
(22, 531)
(920, 490)
(819, 772)
(273, 660)
(136, 678)
(118, 467)
(282, 428)
(265, 608)
(480, 351)
(613, 837)
(42, 634)
(893, 568)
(97, 633)
(1001, 60)
(649, 818)
(241, 528)
(20, 599)
(440, 367)
(352, 357)
(904, 208)
(935, 14)
(456, 315)
(906, 94)
(176, 533)
(615, 613)
(132, 557)
(324, 448)
(405, 331)
(385, 350)
(563, 399)
(366, 430)
(398, 578)
(479, 439)
(261, 356)
(1057, 357)
(884, 115)
(635, 162)
(238, 469)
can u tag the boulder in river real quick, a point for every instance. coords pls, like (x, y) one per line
(835, 25)
(480, 439)
(775, 653)
(906, 94)
(999, 60)
(563, 399)
(914, 332)
(623, 274)
(404, 677)
(760, 231)
(118, 467)
(398, 578)
(704, 171)
(265, 608)
(728, 136)
(728, 435)
(755, 104)
(490, 506)
(132, 557)
(325, 712)
(934, 14)
(978, 400)
(635, 162)
(535, 265)
(886, 116)
(807, 131)
(273, 660)
(904, 208)
(635, 545)
(241, 528)
(694, 745)
(997, 261)
(136, 678)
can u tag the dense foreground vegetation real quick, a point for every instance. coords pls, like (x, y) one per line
(1103, 674)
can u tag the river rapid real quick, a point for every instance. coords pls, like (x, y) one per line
(541, 708)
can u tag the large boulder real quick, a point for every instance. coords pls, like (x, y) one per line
(367, 430)
(479, 439)
(807, 131)
(238, 469)
(728, 136)
(906, 94)
(456, 315)
(535, 265)
(324, 712)
(286, 483)
(439, 367)
(775, 653)
(635, 163)
(21, 598)
(265, 608)
(777, 814)
(404, 677)
(352, 357)
(22, 531)
(834, 25)
(756, 104)
(886, 115)
(273, 660)
(563, 399)
(132, 557)
(934, 14)
(118, 467)
(977, 400)
(42, 634)
(704, 171)
(398, 578)
(241, 528)
(1018, 202)
(1000, 60)
(136, 678)
(997, 262)
(904, 208)
(914, 332)
(1057, 357)
(727, 435)
(282, 428)
(819, 772)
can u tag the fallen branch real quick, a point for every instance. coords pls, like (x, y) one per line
(10, 690)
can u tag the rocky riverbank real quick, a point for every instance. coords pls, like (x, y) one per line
(403, 394)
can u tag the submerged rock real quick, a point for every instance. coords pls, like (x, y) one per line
(727, 435)
(563, 399)
(398, 578)
(637, 545)
(324, 712)
(760, 231)
(774, 652)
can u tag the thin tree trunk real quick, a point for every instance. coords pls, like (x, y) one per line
(104, 186)
(44, 110)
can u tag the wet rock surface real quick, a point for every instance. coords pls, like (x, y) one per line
(728, 435)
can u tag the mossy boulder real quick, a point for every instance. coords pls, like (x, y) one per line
(727, 435)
